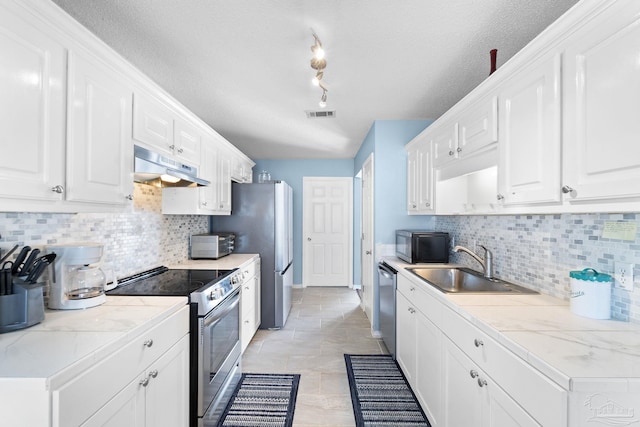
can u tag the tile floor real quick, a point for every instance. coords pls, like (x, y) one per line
(324, 324)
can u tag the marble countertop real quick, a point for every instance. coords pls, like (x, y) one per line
(68, 341)
(234, 260)
(572, 350)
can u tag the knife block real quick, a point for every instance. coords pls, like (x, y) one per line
(24, 308)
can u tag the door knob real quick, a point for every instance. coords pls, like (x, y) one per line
(309, 238)
(368, 252)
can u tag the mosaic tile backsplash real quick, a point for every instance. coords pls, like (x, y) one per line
(539, 251)
(134, 241)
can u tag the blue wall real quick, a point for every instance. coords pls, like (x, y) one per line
(292, 172)
(386, 140)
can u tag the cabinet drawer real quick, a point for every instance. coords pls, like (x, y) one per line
(420, 299)
(250, 270)
(248, 297)
(539, 396)
(80, 398)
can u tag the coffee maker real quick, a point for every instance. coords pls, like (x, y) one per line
(75, 283)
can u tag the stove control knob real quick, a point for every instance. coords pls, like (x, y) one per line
(216, 294)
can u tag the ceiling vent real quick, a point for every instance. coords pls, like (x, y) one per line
(320, 114)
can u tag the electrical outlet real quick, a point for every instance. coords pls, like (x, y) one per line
(623, 275)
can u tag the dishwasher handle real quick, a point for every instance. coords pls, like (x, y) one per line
(386, 270)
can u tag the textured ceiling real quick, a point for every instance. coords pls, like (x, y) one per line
(243, 65)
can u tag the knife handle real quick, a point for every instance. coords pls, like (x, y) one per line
(29, 263)
(20, 259)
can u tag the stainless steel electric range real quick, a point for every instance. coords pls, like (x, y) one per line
(214, 297)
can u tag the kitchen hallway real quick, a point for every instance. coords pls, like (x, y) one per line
(324, 324)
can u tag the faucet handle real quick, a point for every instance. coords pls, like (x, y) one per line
(487, 252)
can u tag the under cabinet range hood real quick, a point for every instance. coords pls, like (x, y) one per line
(155, 169)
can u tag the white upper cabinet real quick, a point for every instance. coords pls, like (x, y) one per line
(187, 142)
(158, 128)
(530, 134)
(241, 169)
(99, 146)
(468, 128)
(32, 107)
(419, 177)
(153, 124)
(444, 139)
(477, 126)
(602, 105)
(564, 113)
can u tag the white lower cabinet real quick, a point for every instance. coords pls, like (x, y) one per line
(157, 397)
(461, 376)
(250, 311)
(472, 398)
(145, 383)
(418, 347)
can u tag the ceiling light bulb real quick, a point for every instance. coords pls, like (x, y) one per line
(318, 52)
(322, 104)
(315, 81)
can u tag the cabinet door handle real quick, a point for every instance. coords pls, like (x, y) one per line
(482, 382)
(148, 343)
(473, 373)
(129, 197)
(451, 153)
(58, 189)
(172, 146)
(566, 189)
(413, 206)
(411, 310)
(247, 287)
(412, 289)
(144, 382)
(427, 204)
(153, 373)
(478, 342)
(204, 203)
(180, 150)
(458, 149)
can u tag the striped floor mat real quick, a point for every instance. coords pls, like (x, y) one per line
(262, 400)
(380, 394)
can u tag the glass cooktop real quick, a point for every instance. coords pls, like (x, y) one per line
(164, 282)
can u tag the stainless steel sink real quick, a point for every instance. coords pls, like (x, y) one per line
(464, 280)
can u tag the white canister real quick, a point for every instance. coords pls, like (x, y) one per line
(591, 294)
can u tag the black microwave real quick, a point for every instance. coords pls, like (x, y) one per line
(422, 246)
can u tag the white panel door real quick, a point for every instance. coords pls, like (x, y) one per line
(99, 145)
(367, 259)
(32, 108)
(327, 224)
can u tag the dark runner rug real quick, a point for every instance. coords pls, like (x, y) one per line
(262, 400)
(380, 393)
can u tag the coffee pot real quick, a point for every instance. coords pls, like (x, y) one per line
(76, 283)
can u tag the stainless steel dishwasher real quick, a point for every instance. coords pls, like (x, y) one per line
(387, 292)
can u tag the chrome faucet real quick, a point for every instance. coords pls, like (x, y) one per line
(487, 262)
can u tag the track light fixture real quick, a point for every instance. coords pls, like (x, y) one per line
(318, 63)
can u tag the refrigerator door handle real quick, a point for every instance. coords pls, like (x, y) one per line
(283, 272)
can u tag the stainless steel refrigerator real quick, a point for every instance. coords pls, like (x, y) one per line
(262, 220)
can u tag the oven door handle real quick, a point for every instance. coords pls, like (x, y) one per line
(218, 315)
